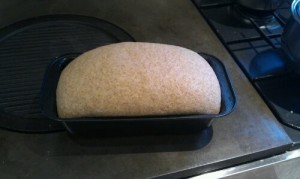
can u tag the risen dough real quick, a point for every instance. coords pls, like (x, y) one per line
(137, 79)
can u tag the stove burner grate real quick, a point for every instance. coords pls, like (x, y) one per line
(254, 40)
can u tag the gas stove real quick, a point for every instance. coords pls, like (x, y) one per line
(253, 38)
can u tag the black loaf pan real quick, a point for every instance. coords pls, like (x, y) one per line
(93, 126)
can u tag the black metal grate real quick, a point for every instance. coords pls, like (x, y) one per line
(26, 48)
(246, 36)
(254, 40)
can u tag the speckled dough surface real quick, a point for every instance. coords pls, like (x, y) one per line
(137, 79)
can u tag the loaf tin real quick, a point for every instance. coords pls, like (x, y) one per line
(103, 125)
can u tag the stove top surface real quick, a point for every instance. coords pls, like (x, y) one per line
(253, 38)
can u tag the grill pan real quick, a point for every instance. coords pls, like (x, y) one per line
(26, 49)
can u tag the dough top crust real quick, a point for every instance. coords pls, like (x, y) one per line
(137, 79)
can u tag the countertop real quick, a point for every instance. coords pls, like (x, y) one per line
(250, 132)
